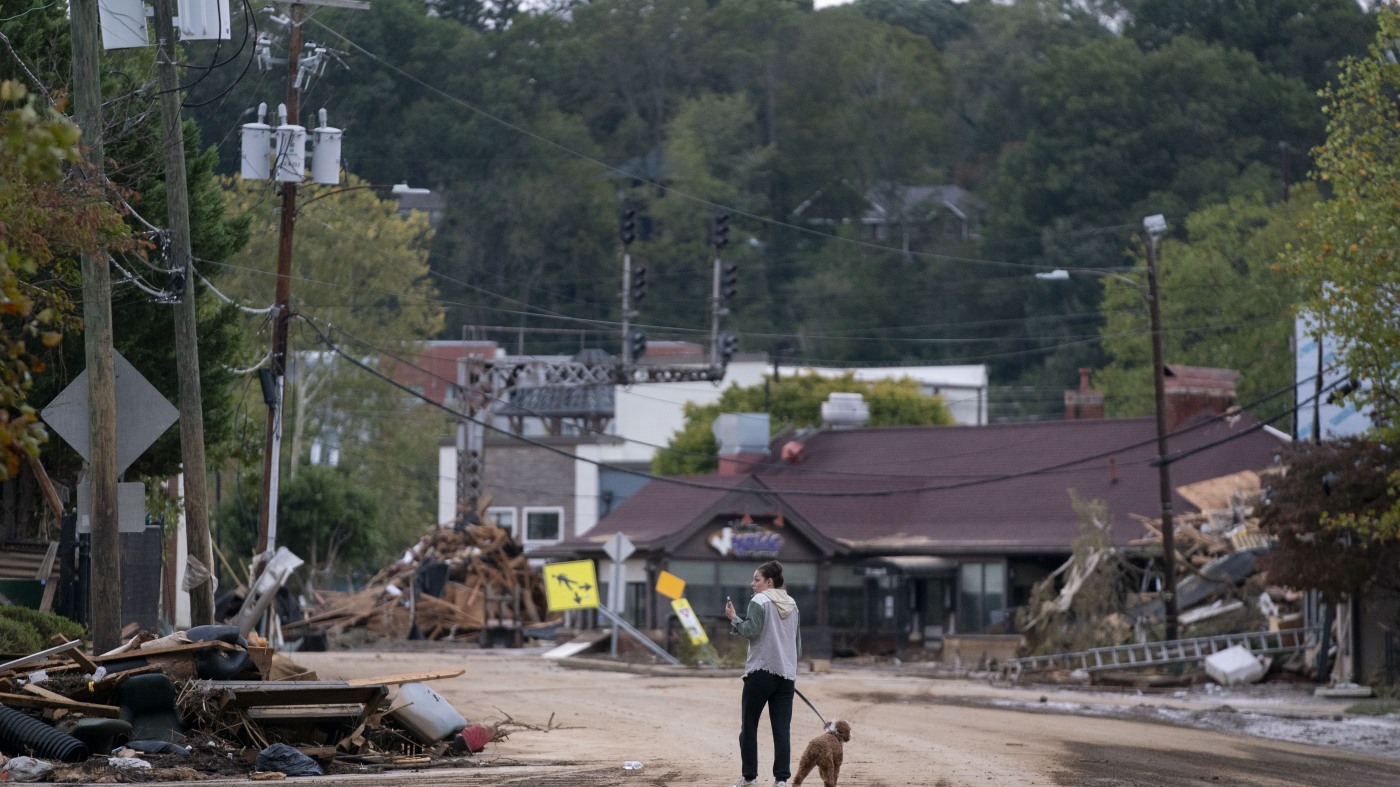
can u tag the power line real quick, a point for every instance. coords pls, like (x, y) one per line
(793, 493)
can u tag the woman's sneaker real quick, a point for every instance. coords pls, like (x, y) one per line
(746, 783)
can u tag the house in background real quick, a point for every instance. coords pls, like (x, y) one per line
(899, 536)
(608, 435)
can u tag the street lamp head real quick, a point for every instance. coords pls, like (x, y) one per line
(1156, 225)
(1059, 274)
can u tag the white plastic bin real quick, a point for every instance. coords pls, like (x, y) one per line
(425, 713)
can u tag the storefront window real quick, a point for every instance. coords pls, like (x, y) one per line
(845, 598)
(981, 596)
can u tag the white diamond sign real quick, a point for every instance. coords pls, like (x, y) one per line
(143, 414)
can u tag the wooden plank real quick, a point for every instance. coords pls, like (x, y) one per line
(46, 568)
(140, 653)
(40, 691)
(407, 677)
(41, 655)
(29, 701)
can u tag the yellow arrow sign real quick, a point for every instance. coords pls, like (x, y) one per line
(572, 585)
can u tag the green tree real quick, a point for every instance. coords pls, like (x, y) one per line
(46, 220)
(324, 516)
(39, 53)
(1328, 511)
(1306, 39)
(795, 401)
(1225, 302)
(1349, 259)
(360, 275)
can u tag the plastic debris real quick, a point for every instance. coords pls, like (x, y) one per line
(26, 769)
(631, 765)
(135, 763)
(284, 758)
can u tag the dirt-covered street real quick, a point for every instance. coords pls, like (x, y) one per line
(571, 726)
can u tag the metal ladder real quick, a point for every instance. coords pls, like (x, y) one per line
(1180, 651)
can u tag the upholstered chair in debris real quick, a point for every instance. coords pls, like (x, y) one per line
(148, 703)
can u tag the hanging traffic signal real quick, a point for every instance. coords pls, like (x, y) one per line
(728, 345)
(627, 225)
(638, 343)
(639, 283)
(729, 281)
(719, 231)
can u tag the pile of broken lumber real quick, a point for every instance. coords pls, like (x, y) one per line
(453, 584)
(154, 701)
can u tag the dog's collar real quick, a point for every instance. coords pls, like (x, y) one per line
(835, 733)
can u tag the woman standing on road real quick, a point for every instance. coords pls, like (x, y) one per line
(770, 671)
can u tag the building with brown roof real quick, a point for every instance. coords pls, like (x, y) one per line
(899, 535)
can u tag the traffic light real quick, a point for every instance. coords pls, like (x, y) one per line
(639, 283)
(729, 281)
(719, 231)
(638, 342)
(728, 345)
(627, 225)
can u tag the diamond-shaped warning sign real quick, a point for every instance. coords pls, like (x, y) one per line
(143, 414)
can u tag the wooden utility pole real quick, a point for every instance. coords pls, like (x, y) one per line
(105, 576)
(272, 446)
(1156, 227)
(186, 332)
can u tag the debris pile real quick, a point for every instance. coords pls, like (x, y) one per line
(209, 701)
(1082, 614)
(458, 583)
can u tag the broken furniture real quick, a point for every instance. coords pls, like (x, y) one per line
(314, 712)
(147, 703)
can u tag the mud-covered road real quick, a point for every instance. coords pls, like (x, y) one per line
(576, 727)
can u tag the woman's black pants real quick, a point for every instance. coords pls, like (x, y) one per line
(764, 688)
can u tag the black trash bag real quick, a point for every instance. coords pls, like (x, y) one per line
(284, 758)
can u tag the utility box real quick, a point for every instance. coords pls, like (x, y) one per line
(291, 149)
(203, 20)
(257, 148)
(325, 158)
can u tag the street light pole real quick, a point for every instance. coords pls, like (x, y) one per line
(1156, 227)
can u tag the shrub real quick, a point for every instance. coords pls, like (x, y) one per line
(18, 638)
(46, 624)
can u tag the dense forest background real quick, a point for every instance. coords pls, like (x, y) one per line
(1043, 129)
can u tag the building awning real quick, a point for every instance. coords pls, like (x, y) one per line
(907, 566)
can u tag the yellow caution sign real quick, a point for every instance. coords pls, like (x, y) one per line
(670, 585)
(689, 622)
(572, 585)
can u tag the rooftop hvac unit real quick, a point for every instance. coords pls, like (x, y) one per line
(257, 148)
(325, 160)
(203, 20)
(845, 410)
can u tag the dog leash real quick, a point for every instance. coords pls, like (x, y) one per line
(810, 705)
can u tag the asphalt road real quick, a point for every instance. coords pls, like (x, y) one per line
(571, 726)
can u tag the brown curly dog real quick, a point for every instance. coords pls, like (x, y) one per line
(824, 753)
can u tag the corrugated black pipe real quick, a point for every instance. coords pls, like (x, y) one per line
(20, 732)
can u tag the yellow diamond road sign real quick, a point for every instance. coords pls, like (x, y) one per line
(572, 585)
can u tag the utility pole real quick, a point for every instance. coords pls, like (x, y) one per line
(277, 361)
(186, 332)
(97, 349)
(719, 238)
(1156, 227)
